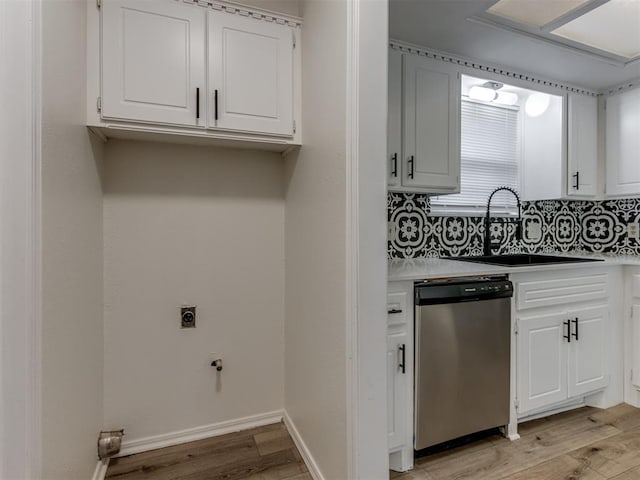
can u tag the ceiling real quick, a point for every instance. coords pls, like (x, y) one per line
(444, 25)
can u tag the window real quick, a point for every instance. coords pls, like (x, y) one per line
(489, 158)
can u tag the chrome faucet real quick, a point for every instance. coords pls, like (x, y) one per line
(488, 221)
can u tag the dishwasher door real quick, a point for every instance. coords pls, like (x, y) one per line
(462, 369)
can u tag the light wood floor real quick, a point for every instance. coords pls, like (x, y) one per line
(583, 444)
(264, 453)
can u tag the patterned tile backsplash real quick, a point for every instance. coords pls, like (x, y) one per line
(563, 226)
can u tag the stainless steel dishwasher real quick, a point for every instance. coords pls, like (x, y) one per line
(462, 357)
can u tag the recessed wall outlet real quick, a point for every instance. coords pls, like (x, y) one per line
(391, 230)
(533, 231)
(188, 316)
(633, 230)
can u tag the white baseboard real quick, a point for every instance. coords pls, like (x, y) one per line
(198, 433)
(101, 470)
(302, 448)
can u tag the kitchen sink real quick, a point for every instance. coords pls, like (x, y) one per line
(523, 259)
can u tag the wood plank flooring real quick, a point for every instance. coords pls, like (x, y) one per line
(264, 453)
(583, 444)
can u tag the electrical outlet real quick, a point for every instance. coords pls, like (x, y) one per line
(391, 230)
(633, 230)
(533, 231)
(188, 316)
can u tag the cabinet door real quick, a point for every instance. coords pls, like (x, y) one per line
(542, 361)
(583, 145)
(587, 350)
(623, 143)
(153, 61)
(635, 329)
(431, 125)
(251, 69)
(394, 119)
(396, 388)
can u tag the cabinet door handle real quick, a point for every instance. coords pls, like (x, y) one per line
(567, 324)
(577, 177)
(402, 349)
(215, 105)
(197, 103)
(393, 311)
(410, 163)
(394, 165)
(575, 322)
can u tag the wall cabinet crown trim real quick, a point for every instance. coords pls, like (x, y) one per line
(247, 11)
(620, 88)
(486, 67)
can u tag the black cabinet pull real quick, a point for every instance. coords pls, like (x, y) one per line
(394, 310)
(197, 103)
(394, 165)
(215, 104)
(567, 324)
(410, 163)
(577, 177)
(401, 348)
(575, 322)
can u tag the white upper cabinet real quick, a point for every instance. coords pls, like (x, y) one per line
(623, 143)
(394, 118)
(582, 161)
(250, 74)
(431, 130)
(153, 62)
(194, 72)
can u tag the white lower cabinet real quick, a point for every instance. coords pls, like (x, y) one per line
(561, 347)
(587, 351)
(633, 368)
(542, 361)
(635, 328)
(400, 375)
(396, 387)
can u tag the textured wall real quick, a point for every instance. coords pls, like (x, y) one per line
(315, 236)
(72, 330)
(195, 225)
(566, 226)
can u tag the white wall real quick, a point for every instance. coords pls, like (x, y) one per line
(366, 224)
(196, 225)
(19, 304)
(72, 334)
(315, 243)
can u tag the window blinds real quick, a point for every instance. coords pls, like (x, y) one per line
(489, 157)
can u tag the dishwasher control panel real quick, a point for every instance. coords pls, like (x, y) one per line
(462, 289)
